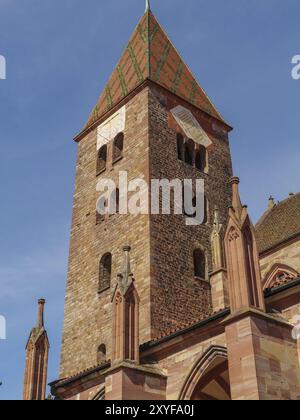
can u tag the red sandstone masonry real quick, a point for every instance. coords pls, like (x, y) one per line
(88, 316)
(263, 360)
(162, 246)
(176, 296)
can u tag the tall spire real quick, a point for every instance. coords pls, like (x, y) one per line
(37, 350)
(244, 275)
(236, 199)
(40, 321)
(150, 55)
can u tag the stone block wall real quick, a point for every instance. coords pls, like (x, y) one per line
(177, 297)
(263, 360)
(162, 245)
(88, 315)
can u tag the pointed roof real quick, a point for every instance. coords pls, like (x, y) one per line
(39, 330)
(151, 55)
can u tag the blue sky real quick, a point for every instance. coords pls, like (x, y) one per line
(59, 55)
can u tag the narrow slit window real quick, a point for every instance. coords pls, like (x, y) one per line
(118, 147)
(105, 272)
(101, 159)
(199, 264)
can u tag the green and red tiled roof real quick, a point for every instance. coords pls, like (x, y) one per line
(150, 55)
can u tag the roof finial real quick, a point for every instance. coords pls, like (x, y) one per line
(40, 321)
(236, 199)
(272, 203)
(147, 5)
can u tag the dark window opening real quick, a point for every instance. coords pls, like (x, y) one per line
(101, 159)
(105, 272)
(118, 147)
(201, 159)
(199, 264)
(101, 354)
(189, 152)
(206, 210)
(117, 201)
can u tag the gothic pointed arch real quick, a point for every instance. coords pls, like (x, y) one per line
(125, 324)
(279, 274)
(105, 268)
(118, 146)
(37, 350)
(242, 258)
(101, 159)
(100, 396)
(125, 302)
(209, 377)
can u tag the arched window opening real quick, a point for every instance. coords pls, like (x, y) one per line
(180, 146)
(101, 354)
(126, 326)
(131, 320)
(199, 264)
(209, 378)
(118, 147)
(278, 275)
(101, 159)
(105, 272)
(201, 159)
(189, 152)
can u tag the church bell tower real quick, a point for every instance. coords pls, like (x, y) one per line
(153, 121)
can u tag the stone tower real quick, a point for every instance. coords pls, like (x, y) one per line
(37, 350)
(153, 121)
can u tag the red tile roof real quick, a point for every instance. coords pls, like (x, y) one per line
(79, 375)
(151, 55)
(185, 327)
(279, 224)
